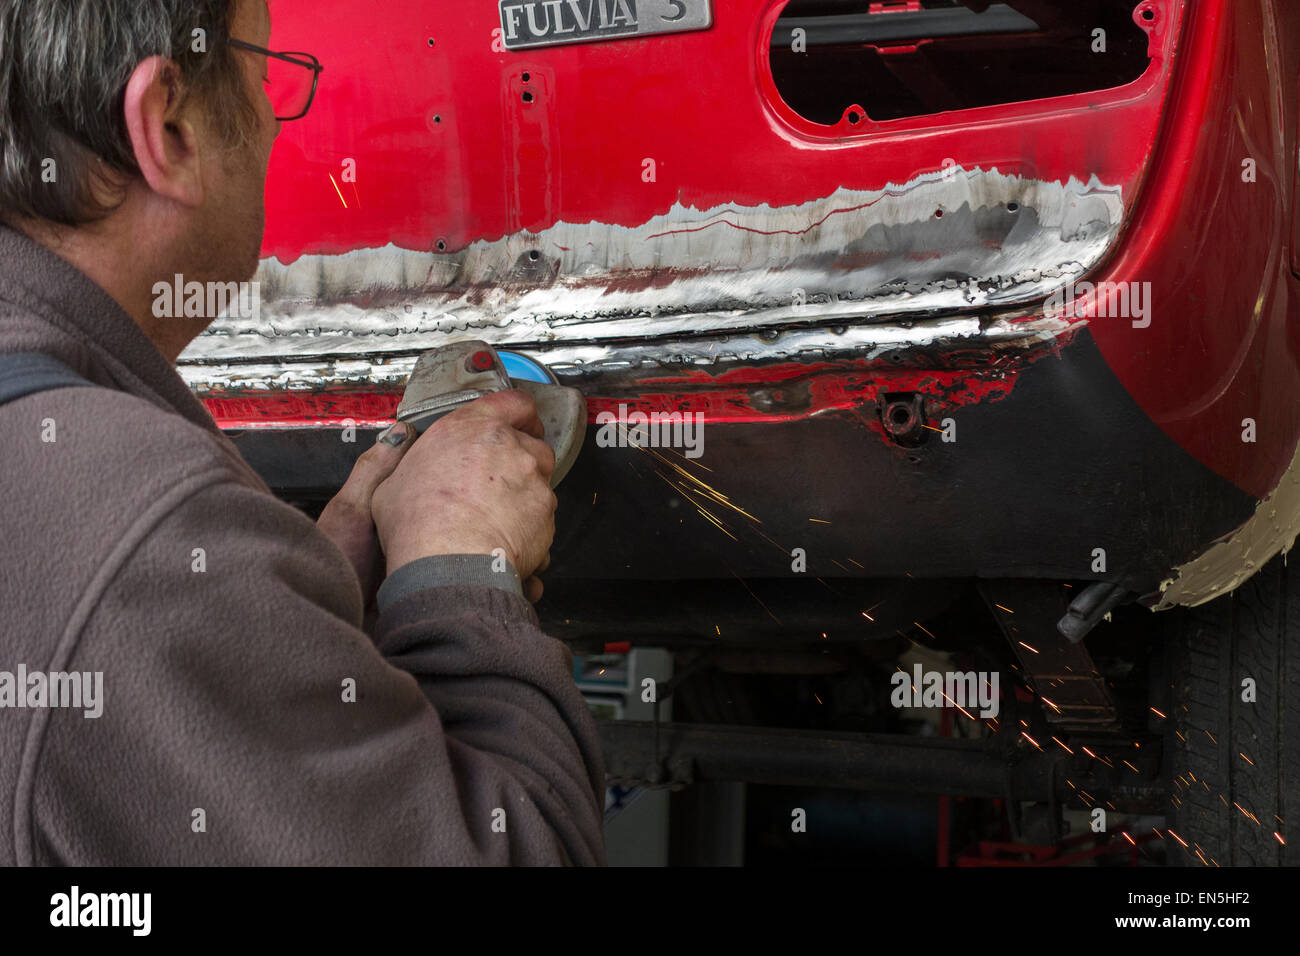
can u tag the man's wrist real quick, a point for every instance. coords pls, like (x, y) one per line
(449, 570)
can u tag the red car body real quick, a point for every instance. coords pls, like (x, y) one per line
(654, 219)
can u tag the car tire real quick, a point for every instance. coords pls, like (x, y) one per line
(1235, 763)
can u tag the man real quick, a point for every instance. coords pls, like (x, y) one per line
(147, 573)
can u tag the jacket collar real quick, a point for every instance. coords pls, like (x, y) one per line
(86, 327)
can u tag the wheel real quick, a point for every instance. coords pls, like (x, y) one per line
(1235, 762)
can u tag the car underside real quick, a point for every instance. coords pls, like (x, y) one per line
(989, 314)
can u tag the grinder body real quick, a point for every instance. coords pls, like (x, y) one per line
(448, 377)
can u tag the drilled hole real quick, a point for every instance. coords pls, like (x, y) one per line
(528, 97)
(527, 77)
(430, 41)
(1148, 15)
(437, 119)
(1013, 207)
(854, 117)
(900, 415)
(938, 214)
(442, 245)
(534, 255)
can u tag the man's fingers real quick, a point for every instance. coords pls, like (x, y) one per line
(533, 590)
(540, 451)
(515, 408)
(375, 465)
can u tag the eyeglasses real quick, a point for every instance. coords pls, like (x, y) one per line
(290, 80)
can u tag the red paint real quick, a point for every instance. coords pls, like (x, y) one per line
(447, 148)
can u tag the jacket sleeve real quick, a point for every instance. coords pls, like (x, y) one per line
(246, 717)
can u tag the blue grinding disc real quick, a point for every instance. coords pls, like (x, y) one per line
(525, 369)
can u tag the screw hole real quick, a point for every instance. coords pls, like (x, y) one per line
(854, 117)
(430, 41)
(442, 245)
(1148, 15)
(900, 415)
(1013, 207)
(437, 118)
(527, 77)
(938, 214)
(534, 255)
(528, 97)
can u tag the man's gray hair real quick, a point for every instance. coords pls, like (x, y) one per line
(64, 66)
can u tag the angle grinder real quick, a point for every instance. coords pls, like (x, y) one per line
(453, 375)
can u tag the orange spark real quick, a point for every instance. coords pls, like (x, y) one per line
(337, 190)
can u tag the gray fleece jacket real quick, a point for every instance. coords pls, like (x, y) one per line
(244, 715)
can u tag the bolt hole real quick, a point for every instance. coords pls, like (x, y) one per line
(437, 118)
(527, 77)
(442, 245)
(1013, 207)
(900, 415)
(528, 97)
(854, 117)
(430, 41)
(938, 214)
(1148, 15)
(534, 255)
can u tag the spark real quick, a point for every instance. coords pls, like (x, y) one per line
(1211, 736)
(1247, 759)
(819, 700)
(1063, 747)
(1198, 853)
(755, 597)
(719, 630)
(1007, 609)
(593, 496)
(918, 624)
(1023, 644)
(337, 190)
(1158, 714)
(851, 561)
(602, 670)
(1131, 767)
(818, 521)
(824, 635)
(1279, 838)
(1030, 739)
(1050, 704)
(1127, 837)
(869, 617)
(1180, 736)
(720, 526)
(1179, 839)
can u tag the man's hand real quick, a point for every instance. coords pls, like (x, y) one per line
(477, 480)
(346, 519)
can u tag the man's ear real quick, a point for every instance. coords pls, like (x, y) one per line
(163, 140)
